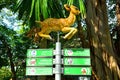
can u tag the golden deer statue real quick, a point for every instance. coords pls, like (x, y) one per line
(62, 24)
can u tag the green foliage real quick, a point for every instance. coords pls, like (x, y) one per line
(20, 71)
(70, 2)
(44, 8)
(12, 35)
(7, 3)
(3, 61)
(5, 74)
(82, 9)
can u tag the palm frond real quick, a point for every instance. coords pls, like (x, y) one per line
(32, 7)
(82, 9)
(23, 8)
(44, 7)
(37, 10)
(70, 2)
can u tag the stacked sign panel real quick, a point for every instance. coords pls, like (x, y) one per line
(39, 62)
(77, 62)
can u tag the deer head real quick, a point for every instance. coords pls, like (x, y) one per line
(72, 9)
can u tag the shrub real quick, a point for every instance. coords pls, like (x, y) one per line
(5, 73)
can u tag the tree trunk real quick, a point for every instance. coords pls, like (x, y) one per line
(104, 64)
(117, 29)
(81, 35)
(8, 49)
(12, 64)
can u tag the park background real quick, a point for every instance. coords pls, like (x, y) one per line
(98, 29)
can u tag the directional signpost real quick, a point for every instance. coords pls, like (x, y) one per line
(76, 61)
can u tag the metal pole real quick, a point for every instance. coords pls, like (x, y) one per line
(58, 60)
(58, 36)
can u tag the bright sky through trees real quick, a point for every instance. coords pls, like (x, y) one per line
(10, 20)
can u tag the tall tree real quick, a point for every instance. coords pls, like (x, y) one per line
(116, 30)
(11, 40)
(104, 62)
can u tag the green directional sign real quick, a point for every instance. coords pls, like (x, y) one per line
(39, 71)
(76, 52)
(77, 71)
(39, 62)
(76, 61)
(39, 52)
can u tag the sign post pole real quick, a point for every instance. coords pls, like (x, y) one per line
(58, 60)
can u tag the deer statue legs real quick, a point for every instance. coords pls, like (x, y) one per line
(45, 35)
(71, 32)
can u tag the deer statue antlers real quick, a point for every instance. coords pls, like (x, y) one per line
(62, 24)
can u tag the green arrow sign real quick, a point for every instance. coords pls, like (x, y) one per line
(39, 61)
(39, 52)
(77, 70)
(76, 61)
(39, 71)
(76, 52)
